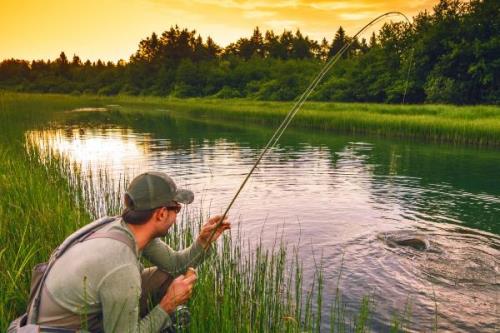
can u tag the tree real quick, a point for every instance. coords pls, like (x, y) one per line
(273, 47)
(213, 49)
(324, 50)
(148, 49)
(257, 43)
(300, 47)
(76, 62)
(62, 65)
(286, 41)
(338, 42)
(13, 71)
(373, 40)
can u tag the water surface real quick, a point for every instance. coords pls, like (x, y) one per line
(332, 196)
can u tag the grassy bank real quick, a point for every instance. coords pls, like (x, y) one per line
(41, 203)
(471, 125)
(478, 125)
(37, 204)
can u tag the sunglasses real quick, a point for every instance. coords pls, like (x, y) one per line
(176, 208)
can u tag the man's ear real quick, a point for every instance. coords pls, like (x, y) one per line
(160, 213)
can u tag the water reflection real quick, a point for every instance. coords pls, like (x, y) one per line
(332, 196)
(112, 149)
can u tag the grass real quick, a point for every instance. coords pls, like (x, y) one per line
(474, 125)
(37, 207)
(43, 200)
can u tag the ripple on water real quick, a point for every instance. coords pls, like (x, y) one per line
(458, 274)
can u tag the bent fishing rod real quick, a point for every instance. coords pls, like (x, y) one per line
(298, 105)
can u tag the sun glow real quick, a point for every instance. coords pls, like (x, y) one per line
(111, 30)
(92, 149)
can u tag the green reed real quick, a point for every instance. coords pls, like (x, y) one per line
(474, 125)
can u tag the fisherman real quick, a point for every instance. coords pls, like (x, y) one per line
(100, 285)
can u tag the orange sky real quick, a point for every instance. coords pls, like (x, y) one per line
(112, 29)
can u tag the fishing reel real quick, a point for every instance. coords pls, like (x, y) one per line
(181, 318)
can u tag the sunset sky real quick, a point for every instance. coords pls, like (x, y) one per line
(112, 29)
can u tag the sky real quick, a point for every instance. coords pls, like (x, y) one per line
(111, 29)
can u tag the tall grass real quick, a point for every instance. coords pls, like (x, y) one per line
(43, 199)
(38, 207)
(472, 125)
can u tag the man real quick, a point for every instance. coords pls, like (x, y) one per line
(99, 283)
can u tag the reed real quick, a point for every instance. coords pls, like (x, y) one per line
(37, 205)
(471, 125)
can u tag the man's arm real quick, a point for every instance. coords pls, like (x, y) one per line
(177, 262)
(174, 262)
(119, 293)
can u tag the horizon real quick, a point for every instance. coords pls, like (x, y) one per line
(86, 28)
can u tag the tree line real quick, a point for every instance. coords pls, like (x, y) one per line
(449, 55)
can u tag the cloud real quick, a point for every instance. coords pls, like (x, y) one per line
(86, 28)
(279, 25)
(357, 16)
(336, 5)
(247, 4)
(253, 14)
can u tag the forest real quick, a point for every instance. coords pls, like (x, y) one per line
(449, 55)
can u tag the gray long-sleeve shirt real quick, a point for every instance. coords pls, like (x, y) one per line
(102, 277)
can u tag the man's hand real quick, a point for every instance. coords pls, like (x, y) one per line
(179, 292)
(208, 227)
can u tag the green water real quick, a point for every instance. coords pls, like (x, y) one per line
(331, 195)
(447, 183)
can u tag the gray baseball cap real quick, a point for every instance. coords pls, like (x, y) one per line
(155, 189)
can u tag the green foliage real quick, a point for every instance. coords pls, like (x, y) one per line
(228, 92)
(475, 125)
(442, 89)
(451, 56)
(37, 207)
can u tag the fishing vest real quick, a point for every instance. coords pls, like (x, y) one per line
(27, 322)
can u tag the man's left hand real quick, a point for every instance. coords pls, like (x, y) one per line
(209, 226)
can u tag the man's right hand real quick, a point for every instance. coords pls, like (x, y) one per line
(179, 292)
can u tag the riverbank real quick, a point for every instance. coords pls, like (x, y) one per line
(470, 125)
(41, 204)
(37, 205)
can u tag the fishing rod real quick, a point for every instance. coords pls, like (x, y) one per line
(298, 104)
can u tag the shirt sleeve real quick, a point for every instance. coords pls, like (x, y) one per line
(119, 293)
(174, 262)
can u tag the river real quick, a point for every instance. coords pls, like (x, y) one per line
(337, 199)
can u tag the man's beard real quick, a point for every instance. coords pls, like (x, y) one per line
(164, 233)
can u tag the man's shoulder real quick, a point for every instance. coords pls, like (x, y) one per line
(116, 231)
(110, 246)
(105, 249)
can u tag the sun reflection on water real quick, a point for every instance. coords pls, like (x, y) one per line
(113, 149)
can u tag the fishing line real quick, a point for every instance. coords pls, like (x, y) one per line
(302, 99)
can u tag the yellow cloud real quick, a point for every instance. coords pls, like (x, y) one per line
(280, 25)
(334, 5)
(111, 29)
(255, 14)
(357, 16)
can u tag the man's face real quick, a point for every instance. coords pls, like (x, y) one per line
(165, 218)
